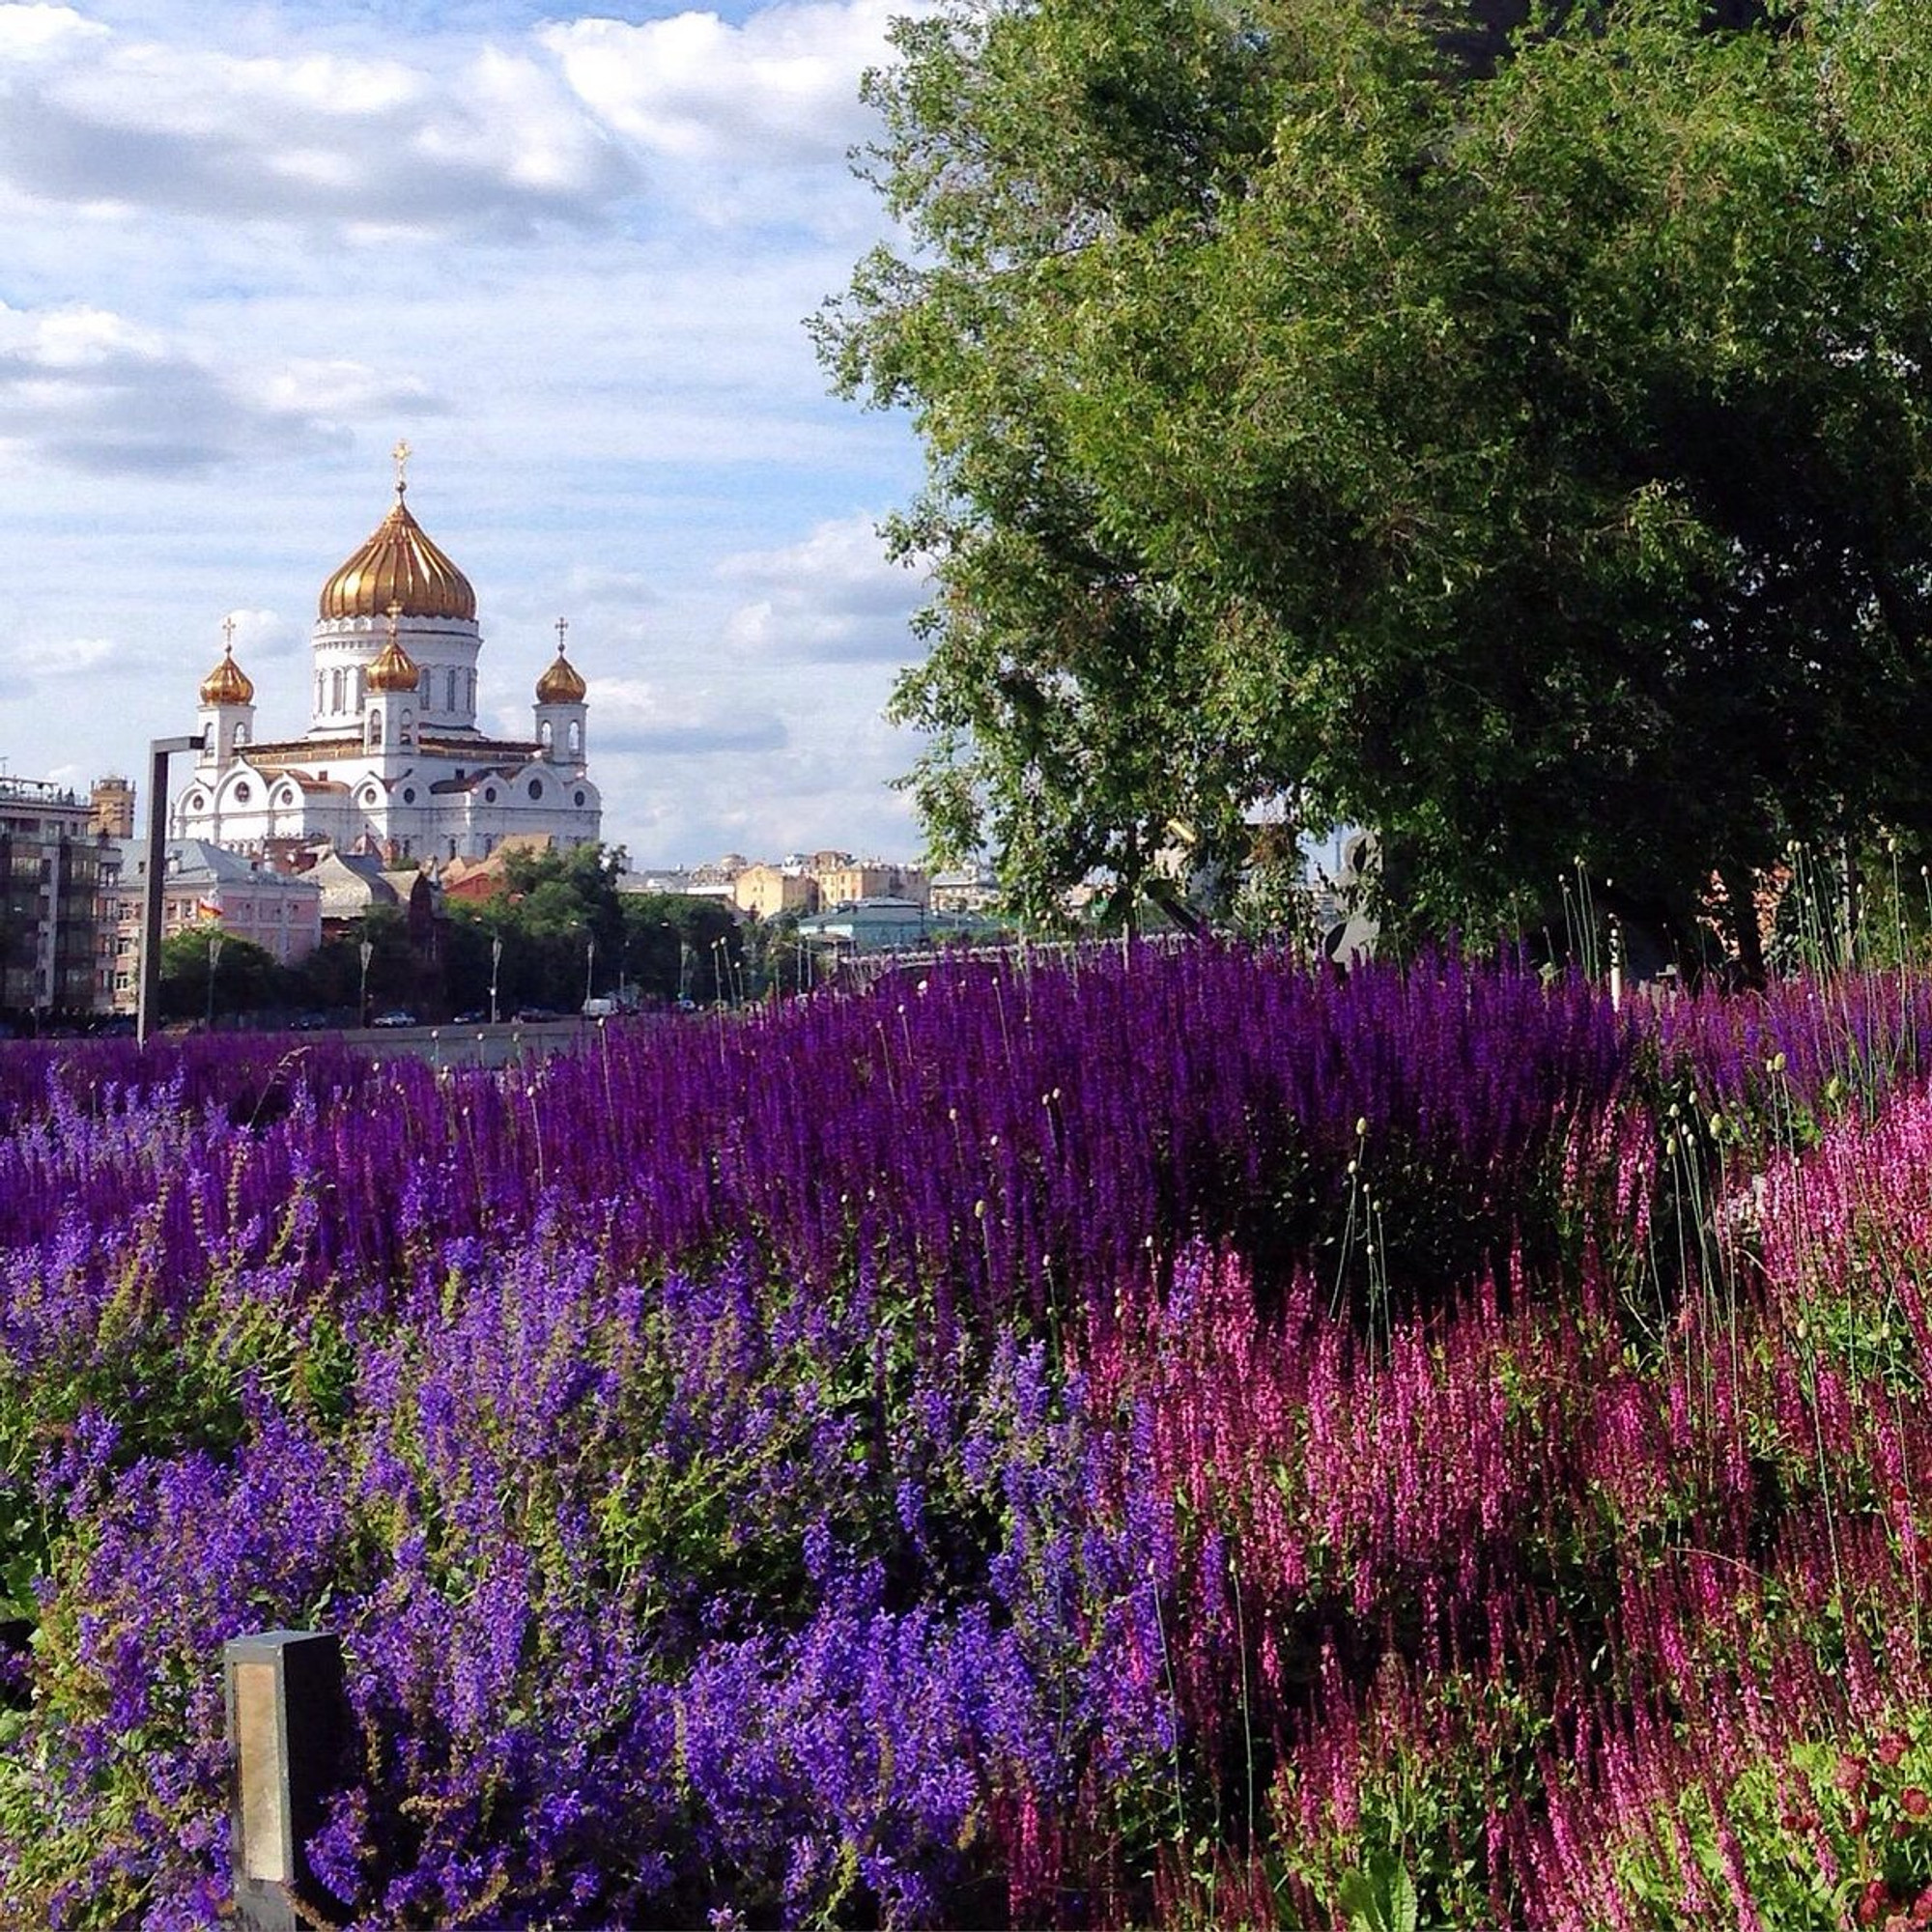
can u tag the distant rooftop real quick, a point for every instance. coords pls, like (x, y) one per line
(38, 791)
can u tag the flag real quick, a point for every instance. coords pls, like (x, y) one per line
(207, 908)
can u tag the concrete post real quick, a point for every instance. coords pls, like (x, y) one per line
(287, 1727)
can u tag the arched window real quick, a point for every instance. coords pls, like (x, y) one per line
(454, 678)
(241, 736)
(320, 693)
(375, 734)
(406, 733)
(543, 734)
(576, 737)
(361, 686)
(536, 789)
(336, 690)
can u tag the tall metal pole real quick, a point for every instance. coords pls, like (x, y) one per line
(148, 1009)
(214, 960)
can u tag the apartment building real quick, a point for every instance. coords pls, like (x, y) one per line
(49, 914)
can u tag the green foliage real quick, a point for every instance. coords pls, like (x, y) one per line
(1378, 1897)
(678, 946)
(567, 933)
(1830, 1837)
(1531, 466)
(247, 976)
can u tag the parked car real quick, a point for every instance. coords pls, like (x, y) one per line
(534, 1015)
(398, 1018)
(475, 1017)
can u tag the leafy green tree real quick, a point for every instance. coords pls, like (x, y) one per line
(776, 962)
(1530, 464)
(565, 928)
(682, 946)
(248, 978)
(330, 979)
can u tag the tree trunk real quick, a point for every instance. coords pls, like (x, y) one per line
(1741, 888)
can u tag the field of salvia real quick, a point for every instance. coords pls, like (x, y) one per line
(1152, 1439)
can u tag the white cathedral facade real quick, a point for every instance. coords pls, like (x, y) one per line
(392, 763)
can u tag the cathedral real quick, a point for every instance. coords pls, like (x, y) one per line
(392, 763)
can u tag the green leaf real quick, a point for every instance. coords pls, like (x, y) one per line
(1403, 1902)
(1356, 1894)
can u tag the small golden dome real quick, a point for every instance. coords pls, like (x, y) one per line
(560, 683)
(394, 669)
(399, 565)
(227, 683)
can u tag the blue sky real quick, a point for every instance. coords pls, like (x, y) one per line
(245, 248)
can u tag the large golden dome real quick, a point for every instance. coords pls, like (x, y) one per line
(227, 683)
(399, 565)
(562, 683)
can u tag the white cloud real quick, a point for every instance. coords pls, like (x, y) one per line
(35, 32)
(602, 588)
(75, 338)
(89, 390)
(491, 142)
(263, 634)
(81, 391)
(831, 598)
(37, 658)
(784, 86)
(344, 388)
(633, 715)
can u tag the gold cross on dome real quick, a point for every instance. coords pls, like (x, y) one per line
(402, 453)
(228, 633)
(562, 625)
(395, 610)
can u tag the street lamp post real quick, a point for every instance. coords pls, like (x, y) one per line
(496, 962)
(367, 950)
(160, 750)
(213, 962)
(590, 966)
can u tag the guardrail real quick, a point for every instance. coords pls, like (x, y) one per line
(498, 1045)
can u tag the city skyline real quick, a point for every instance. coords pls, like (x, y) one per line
(569, 259)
